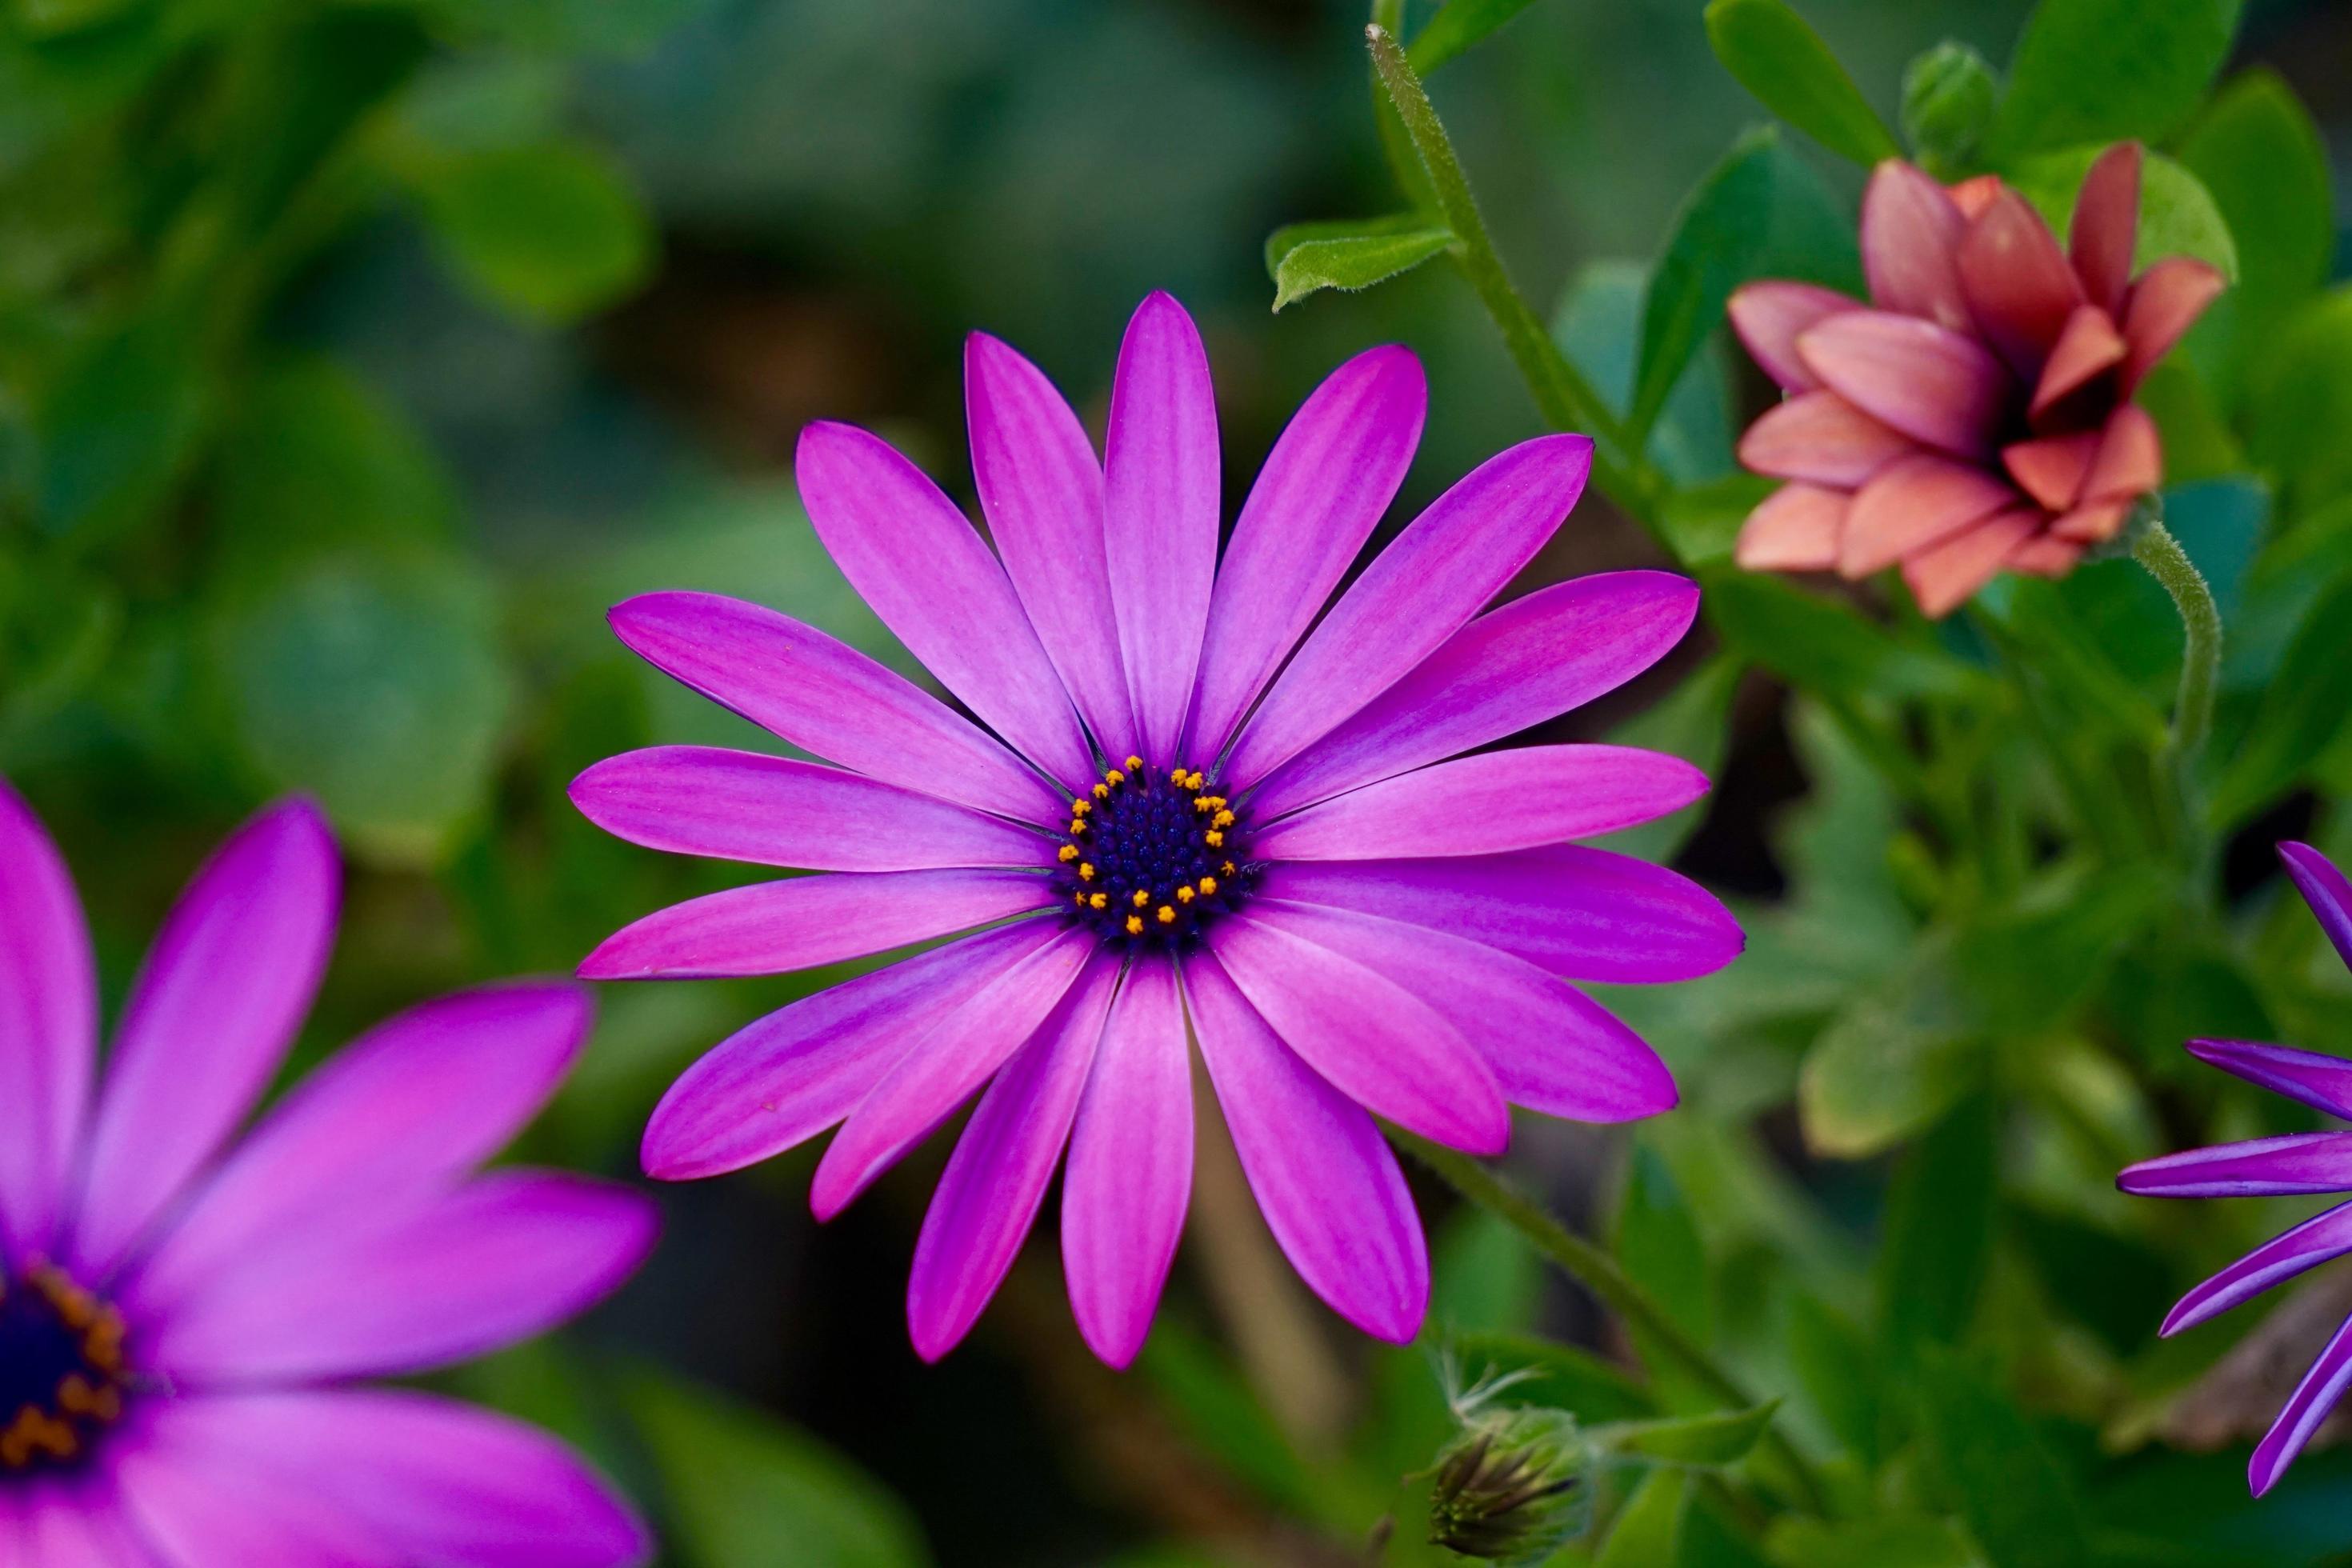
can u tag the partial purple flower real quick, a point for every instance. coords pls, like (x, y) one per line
(184, 1313)
(2298, 1164)
(1189, 809)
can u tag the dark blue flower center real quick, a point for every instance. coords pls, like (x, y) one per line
(1152, 856)
(62, 1375)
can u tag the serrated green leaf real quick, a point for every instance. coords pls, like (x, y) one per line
(1459, 24)
(1347, 253)
(1721, 1438)
(1780, 59)
(2101, 70)
(549, 230)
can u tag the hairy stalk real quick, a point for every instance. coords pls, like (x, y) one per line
(1565, 399)
(1598, 1272)
(2154, 547)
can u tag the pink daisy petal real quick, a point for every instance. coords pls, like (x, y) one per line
(1770, 317)
(2106, 226)
(1913, 503)
(1934, 385)
(1798, 528)
(2165, 303)
(2130, 460)
(1910, 230)
(2088, 346)
(1947, 574)
(2052, 470)
(48, 1030)
(2019, 286)
(1821, 437)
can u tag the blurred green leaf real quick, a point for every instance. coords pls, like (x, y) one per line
(114, 430)
(1817, 644)
(1894, 1057)
(1721, 1438)
(1984, 1455)
(1459, 24)
(1349, 253)
(56, 632)
(1647, 1532)
(2307, 706)
(2101, 70)
(1701, 523)
(2112, 1284)
(2178, 216)
(2028, 964)
(1595, 324)
(2300, 402)
(551, 230)
(1935, 1238)
(1556, 1375)
(2258, 152)
(1949, 94)
(1693, 721)
(2198, 441)
(1659, 1244)
(1837, 1368)
(52, 16)
(1483, 1275)
(1216, 1409)
(1761, 213)
(1870, 1544)
(746, 1488)
(2287, 577)
(1781, 60)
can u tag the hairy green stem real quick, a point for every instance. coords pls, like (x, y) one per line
(1565, 399)
(2155, 548)
(1598, 1272)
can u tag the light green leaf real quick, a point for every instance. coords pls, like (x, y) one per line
(1937, 1230)
(112, 432)
(1349, 253)
(1658, 1242)
(747, 1488)
(1817, 644)
(1893, 1059)
(1722, 1437)
(1562, 1377)
(549, 230)
(2177, 216)
(1595, 325)
(1838, 1370)
(1781, 60)
(2101, 70)
(1986, 1458)
(1647, 1532)
(2259, 154)
(1949, 95)
(1459, 24)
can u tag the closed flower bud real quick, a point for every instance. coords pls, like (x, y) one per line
(1509, 1488)
(1948, 102)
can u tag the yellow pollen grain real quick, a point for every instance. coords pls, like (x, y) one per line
(1077, 824)
(1066, 853)
(1201, 804)
(1134, 763)
(1099, 900)
(1081, 805)
(1185, 895)
(1086, 871)
(1142, 897)
(1229, 868)
(1114, 777)
(1135, 925)
(1208, 886)
(1167, 915)
(1223, 819)
(1214, 839)
(1102, 792)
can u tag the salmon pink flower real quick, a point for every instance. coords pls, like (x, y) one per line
(1199, 807)
(1977, 416)
(182, 1315)
(2297, 1164)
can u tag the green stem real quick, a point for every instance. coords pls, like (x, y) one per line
(1598, 1272)
(2200, 663)
(1565, 399)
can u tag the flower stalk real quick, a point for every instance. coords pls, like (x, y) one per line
(2154, 547)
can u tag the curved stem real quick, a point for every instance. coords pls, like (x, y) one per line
(2155, 548)
(1598, 1272)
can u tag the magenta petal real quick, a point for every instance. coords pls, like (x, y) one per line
(2306, 1246)
(48, 1030)
(2323, 1081)
(775, 811)
(1131, 1170)
(989, 1196)
(828, 699)
(428, 1481)
(774, 928)
(1042, 491)
(1162, 487)
(2311, 1403)
(86, 1524)
(1911, 232)
(224, 990)
(1580, 913)
(1377, 1043)
(419, 1100)
(1324, 1177)
(912, 556)
(2326, 889)
(1770, 316)
(2258, 1168)
(943, 1067)
(1551, 1047)
(506, 1256)
(1321, 493)
(1489, 804)
(1530, 660)
(1441, 570)
(198, 1507)
(800, 1070)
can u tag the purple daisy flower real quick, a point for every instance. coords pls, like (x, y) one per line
(179, 1314)
(1194, 810)
(2299, 1163)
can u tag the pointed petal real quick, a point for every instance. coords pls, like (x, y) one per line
(2053, 468)
(1130, 1173)
(2130, 460)
(1974, 195)
(1322, 491)
(2094, 522)
(1910, 239)
(2018, 284)
(2326, 889)
(1041, 492)
(2165, 303)
(773, 928)
(2258, 1168)
(2088, 347)
(1820, 437)
(1161, 485)
(800, 1070)
(1533, 659)
(225, 988)
(2324, 1082)
(989, 1196)
(2046, 555)
(1933, 384)
(2106, 226)
(775, 811)
(829, 699)
(2314, 1399)
(1769, 317)
(1912, 504)
(1947, 574)
(1421, 590)
(1323, 1176)
(913, 557)
(2307, 1245)
(1795, 529)
(1376, 1042)
(48, 1030)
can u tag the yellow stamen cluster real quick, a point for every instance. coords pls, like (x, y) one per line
(1136, 851)
(91, 1395)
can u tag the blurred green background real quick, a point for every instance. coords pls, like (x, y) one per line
(354, 357)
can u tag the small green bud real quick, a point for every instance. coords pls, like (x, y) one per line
(1507, 1487)
(1948, 102)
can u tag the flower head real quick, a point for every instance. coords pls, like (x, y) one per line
(1509, 1485)
(1975, 417)
(1198, 806)
(2297, 1164)
(181, 1313)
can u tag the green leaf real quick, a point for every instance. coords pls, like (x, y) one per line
(2257, 150)
(1817, 644)
(2101, 70)
(1949, 95)
(1986, 1457)
(1722, 1437)
(2300, 402)
(2306, 708)
(1659, 1244)
(1483, 1275)
(1761, 213)
(2030, 964)
(1349, 253)
(1647, 1532)
(2178, 216)
(1894, 1059)
(1559, 1376)
(1869, 1543)
(746, 1488)
(1693, 722)
(1701, 523)
(1837, 1368)
(1595, 325)
(2099, 1278)
(1781, 60)
(1459, 24)
(1937, 1230)
(551, 231)
(115, 429)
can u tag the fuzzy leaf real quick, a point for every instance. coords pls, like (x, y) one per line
(1349, 253)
